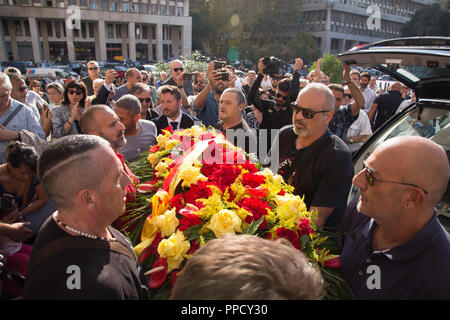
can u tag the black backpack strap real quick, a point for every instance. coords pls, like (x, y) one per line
(12, 115)
(72, 242)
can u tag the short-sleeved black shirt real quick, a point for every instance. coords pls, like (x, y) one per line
(103, 274)
(322, 172)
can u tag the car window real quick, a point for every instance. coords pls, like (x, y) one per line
(434, 124)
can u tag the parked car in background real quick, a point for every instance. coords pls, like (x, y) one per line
(422, 64)
(21, 65)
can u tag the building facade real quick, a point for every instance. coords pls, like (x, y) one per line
(70, 30)
(339, 25)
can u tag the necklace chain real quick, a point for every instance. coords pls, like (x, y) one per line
(80, 233)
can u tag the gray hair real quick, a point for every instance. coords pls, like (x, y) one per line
(325, 91)
(240, 97)
(57, 86)
(5, 83)
(130, 103)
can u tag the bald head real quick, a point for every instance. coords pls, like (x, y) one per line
(416, 160)
(396, 86)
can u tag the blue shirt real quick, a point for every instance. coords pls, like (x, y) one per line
(342, 120)
(24, 119)
(208, 113)
(417, 269)
(121, 91)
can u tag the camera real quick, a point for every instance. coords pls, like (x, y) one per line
(218, 64)
(224, 75)
(190, 76)
(272, 65)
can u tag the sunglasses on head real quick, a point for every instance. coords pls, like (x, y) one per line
(371, 179)
(306, 113)
(73, 91)
(281, 96)
(145, 99)
(178, 69)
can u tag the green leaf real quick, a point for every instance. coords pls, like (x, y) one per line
(253, 226)
(192, 232)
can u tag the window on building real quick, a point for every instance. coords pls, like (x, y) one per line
(180, 11)
(144, 32)
(171, 10)
(72, 2)
(49, 3)
(37, 3)
(144, 8)
(110, 30)
(49, 29)
(19, 30)
(124, 6)
(76, 33)
(136, 7)
(153, 9)
(118, 30)
(25, 2)
(114, 6)
(83, 30)
(60, 4)
(83, 4)
(27, 28)
(57, 29)
(104, 5)
(166, 32)
(64, 29)
(91, 30)
(93, 5)
(162, 10)
(137, 31)
(153, 32)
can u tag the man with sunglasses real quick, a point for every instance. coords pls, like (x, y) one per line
(176, 78)
(394, 245)
(93, 70)
(144, 93)
(20, 92)
(314, 161)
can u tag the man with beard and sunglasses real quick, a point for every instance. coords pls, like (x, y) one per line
(317, 163)
(101, 121)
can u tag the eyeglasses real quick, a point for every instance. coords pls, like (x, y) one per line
(78, 92)
(24, 88)
(348, 95)
(178, 69)
(145, 99)
(281, 96)
(371, 179)
(92, 68)
(306, 113)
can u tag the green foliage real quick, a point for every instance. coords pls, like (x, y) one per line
(429, 21)
(332, 68)
(304, 46)
(191, 64)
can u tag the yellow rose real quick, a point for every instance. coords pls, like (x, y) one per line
(153, 159)
(191, 175)
(166, 222)
(290, 207)
(170, 144)
(161, 169)
(159, 201)
(174, 249)
(225, 221)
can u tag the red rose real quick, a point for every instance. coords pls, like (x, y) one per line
(188, 220)
(199, 191)
(252, 180)
(249, 166)
(151, 249)
(290, 235)
(225, 175)
(177, 202)
(153, 149)
(195, 245)
(258, 193)
(304, 227)
(173, 277)
(157, 278)
(257, 208)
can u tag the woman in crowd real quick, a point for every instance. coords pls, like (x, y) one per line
(36, 87)
(55, 93)
(18, 177)
(66, 117)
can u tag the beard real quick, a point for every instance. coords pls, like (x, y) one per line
(363, 85)
(300, 131)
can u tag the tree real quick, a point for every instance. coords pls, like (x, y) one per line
(304, 46)
(332, 68)
(429, 21)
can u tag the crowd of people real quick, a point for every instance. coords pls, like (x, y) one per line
(65, 183)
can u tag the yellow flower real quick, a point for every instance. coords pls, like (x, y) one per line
(289, 209)
(153, 159)
(191, 175)
(170, 144)
(225, 221)
(174, 249)
(161, 169)
(166, 222)
(159, 202)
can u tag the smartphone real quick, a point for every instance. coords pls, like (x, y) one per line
(219, 64)
(224, 76)
(190, 76)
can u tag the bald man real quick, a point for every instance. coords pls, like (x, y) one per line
(395, 247)
(385, 105)
(133, 76)
(101, 121)
(176, 75)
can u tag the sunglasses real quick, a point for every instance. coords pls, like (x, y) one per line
(178, 69)
(306, 113)
(24, 88)
(145, 99)
(93, 68)
(371, 179)
(78, 92)
(281, 96)
(348, 95)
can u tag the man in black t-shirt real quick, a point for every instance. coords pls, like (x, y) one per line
(313, 160)
(77, 254)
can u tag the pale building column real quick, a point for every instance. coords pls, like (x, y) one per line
(45, 45)
(341, 45)
(100, 42)
(132, 40)
(150, 42)
(34, 31)
(70, 45)
(3, 50)
(176, 41)
(13, 40)
(159, 41)
(186, 41)
(124, 41)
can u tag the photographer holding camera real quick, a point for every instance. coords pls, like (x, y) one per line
(206, 105)
(275, 113)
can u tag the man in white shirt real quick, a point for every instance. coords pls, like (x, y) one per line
(369, 94)
(140, 133)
